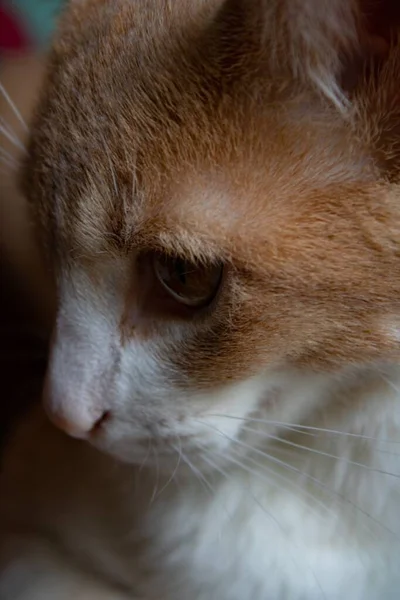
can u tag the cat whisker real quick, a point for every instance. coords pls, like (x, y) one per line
(149, 447)
(268, 513)
(391, 384)
(216, 468)
(291, 429)
(8, 156)
(302, 474)
(8, 160)
(11, 137)
(174, 472)
(12, 105)
(196, 472)
(297, 487)
(157, 480)
(265, 475)
(263, 469)
(319, 452)
(306, 428)
(8, 127)
(290, 452)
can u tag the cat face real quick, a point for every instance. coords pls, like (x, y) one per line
(222, 239)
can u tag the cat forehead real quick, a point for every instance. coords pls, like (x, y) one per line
(105, 176)
(200, 195)
(160, 148)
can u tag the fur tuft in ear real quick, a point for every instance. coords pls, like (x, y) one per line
(312, 37)
(322, 43)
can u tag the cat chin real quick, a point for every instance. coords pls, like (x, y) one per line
(130, 455)
(161, 458)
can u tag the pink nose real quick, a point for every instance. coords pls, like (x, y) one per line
(76, 416)
(80, 429)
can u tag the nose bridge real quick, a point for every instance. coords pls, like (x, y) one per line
(78, 376)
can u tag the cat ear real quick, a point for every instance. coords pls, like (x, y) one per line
(318, 35)
(324, 42)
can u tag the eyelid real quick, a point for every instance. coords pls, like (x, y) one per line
(200, 251)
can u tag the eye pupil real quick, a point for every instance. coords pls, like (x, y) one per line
(180, 270)
(189, 284)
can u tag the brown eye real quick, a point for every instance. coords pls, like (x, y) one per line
(188, 283)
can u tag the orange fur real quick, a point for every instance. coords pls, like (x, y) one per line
(263, 135)
(188, 144)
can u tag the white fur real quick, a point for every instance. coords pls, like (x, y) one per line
(207, 505)
(255, 534)
(204, 495)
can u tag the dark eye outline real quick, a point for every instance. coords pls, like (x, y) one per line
(196, 304)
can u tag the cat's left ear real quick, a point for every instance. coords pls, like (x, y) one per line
(333, 41)
(324, 42)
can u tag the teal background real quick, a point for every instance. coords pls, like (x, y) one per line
(38, 17)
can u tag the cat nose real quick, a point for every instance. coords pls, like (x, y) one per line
(78, 418)
(76, 389)
(78, 427)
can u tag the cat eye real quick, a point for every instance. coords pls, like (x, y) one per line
(193, 285)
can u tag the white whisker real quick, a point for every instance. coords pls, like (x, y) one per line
(270, 471)
(292, 429)
(320, 452)
(144, 461)
(174, 472)
(316, 481)
(305, 427)
(11, 138)
(289, 482)
(8, 155)
(391, 384)
(268, 514)
(13, 106)
(199, 475)
(155, 490)
(8, 128)
(303, 491)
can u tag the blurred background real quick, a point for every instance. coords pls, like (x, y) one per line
(27, 24)
(26, 28)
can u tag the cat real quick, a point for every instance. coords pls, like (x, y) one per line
(215, 187)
